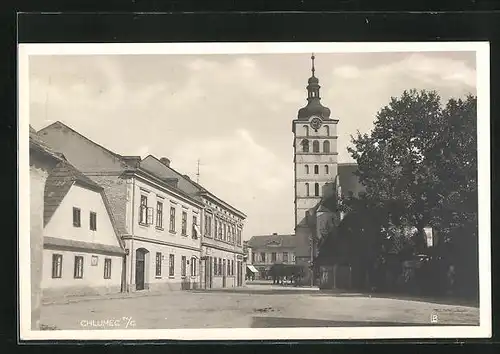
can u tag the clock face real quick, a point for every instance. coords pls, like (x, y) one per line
(316, 123)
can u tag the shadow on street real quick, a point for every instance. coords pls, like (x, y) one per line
(267, 322)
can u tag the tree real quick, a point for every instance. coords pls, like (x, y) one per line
(418, 164)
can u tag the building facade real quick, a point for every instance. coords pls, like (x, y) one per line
(42, 161)
(156, 220)
(221, 227)
(83, 253)
(271, 249)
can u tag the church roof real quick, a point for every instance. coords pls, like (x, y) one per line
(314, 108)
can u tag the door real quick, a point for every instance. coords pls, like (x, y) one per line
(224, 271)
(139, 269)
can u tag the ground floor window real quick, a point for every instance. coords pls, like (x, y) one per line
(56, 265)
(171, 263)
(193, 266)
(107, 268)
(78, 271)
(216, 267)
(183, 266)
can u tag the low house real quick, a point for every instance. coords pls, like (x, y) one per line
(268, 250)
(83, 253)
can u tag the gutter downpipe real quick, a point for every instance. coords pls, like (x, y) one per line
(131, 255)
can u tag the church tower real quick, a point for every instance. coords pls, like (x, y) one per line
(315, 150)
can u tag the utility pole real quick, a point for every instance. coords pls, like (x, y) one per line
(198, 172)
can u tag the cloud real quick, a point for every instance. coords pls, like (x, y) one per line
(347, 71)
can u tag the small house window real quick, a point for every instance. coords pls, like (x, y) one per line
(285, 257)
(93, 221)
(273, 257)
(56, 265)
(195, 228)
(159, 215)
(172, 219)
(143, 212)
(107, 268)
(171, 263)
(78, 271)
(76, 217)
(315, 146)
(184, 223)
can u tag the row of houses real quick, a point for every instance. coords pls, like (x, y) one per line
(116, 223)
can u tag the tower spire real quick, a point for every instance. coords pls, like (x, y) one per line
(312, 60)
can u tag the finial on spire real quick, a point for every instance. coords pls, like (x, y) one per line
(312, 59)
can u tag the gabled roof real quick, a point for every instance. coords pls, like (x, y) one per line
(58, 184)
(262, 241)
(38, 144)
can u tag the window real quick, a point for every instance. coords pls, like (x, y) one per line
(239, 236)
(285, 257)
(78, 271)
(225, 232)
(195, 225)
(56, 265)
(143, 212)
(316, 169)
(307, 169)
(262, 257)
(220, 267)
(253, 257)
(232, 234)
(171, 263)
(184, 223)
(107, 268)
(228, 267)
(76, 217)
(183, 266)
(307, 189)
(158, 264)
(216, 268)
(159, 215)
(172, 219)
(306, 130)
(220, 230)
(315, 146)
(232, 267)
(305, 145)
(273, 257)
(224, 269)
(93, 221)
(316, 189)
(193, 266)
(327, 169)
(216, 228)
(326, 146)
(327, 129)
(208, 225)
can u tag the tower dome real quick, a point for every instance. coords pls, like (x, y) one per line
(314, 106)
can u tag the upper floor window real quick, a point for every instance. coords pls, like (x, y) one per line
(143, 212)
(93, 221)
(307, 189)
(76, 217)
(305, 145)
(263, 257)
(326, 146)
(307, 169)
(273, 257)
(316, 189)
(316, 169)
(184, 223)
(195, 227)
(216, 224)
(172, 219)
(306, 130)
(208, 225)
(220, 230)
(315, 146)
(327, 129)
(159, 215)
(253, 257)
(225, 233)
(327, 169)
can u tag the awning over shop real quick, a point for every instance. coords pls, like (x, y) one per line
(252, 268)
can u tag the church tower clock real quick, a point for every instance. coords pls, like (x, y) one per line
(315, 150)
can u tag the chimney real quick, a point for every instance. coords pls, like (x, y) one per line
(165, 161)
(133, 161)
(275, 233)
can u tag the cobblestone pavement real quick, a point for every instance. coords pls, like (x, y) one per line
(253, 306)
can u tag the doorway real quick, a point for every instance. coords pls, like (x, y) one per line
(140, 268)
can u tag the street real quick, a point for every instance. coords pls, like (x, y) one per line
(254, 306)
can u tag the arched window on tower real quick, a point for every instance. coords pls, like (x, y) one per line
(316, 189)
(327, 129)
(327, 170)
(307, 189)
(326, 146)
(306, 130)
(305, 145)
(316, 169)
(307, 169)
(315, 146)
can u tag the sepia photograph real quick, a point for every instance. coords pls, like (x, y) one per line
(254, 191)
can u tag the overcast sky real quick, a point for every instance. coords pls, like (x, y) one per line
(233, 112)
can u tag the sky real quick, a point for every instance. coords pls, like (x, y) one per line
(232, 112)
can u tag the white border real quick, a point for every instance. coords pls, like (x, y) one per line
(483, 112)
